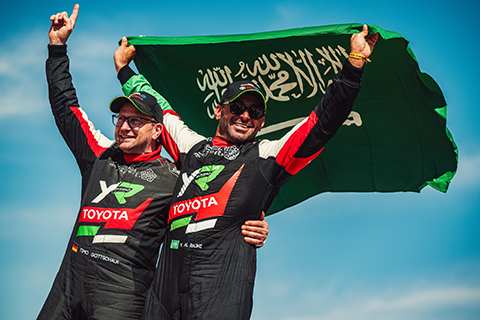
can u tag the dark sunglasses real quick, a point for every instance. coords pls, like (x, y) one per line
(238, 108)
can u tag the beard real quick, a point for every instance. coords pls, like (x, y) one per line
(227, 130)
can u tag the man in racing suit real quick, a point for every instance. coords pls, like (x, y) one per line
(206, 271)
(110, 259)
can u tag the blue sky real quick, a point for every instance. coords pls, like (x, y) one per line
(333, 257)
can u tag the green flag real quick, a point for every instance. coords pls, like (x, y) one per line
(394, 140)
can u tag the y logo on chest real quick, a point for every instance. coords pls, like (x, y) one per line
(202, 177)
(121, 190)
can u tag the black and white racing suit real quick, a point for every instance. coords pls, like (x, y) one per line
(110, 259)
(206, 270)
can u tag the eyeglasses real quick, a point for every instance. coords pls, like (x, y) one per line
(238, 108)
(134, 121)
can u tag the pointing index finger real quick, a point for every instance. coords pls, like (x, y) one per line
(74, 15)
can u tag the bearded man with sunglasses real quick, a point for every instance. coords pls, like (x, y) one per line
(205, 270)
(127, 186)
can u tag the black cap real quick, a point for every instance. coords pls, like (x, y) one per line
(237, 88)
(143, 101)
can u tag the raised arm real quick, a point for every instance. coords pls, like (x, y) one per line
(132, 82)
(306, 140)
(177, 137)
(84, 141)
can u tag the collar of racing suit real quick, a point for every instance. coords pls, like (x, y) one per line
(219, 142)
(130, 158)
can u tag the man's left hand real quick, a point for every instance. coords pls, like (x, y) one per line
(362, 44)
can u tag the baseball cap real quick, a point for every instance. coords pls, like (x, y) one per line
(237, 88)
(143, 101)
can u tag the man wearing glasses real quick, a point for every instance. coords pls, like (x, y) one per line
(127, 186)
(205, 271)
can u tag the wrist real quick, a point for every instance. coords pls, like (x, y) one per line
(357, 63)
(56, 42)
(124, 74)
(358, 60)
(351, 72)
(57, 51)
(119, 66)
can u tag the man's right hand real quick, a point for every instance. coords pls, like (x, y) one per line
(123, 55)
(62, 26)
(256, 231)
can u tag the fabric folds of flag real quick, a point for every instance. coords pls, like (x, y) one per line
(395, 139)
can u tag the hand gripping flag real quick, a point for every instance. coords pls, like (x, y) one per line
(395, 139)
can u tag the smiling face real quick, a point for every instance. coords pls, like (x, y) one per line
(239, 128)
(137, 140)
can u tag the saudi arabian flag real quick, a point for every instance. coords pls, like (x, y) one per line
(394, 140)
